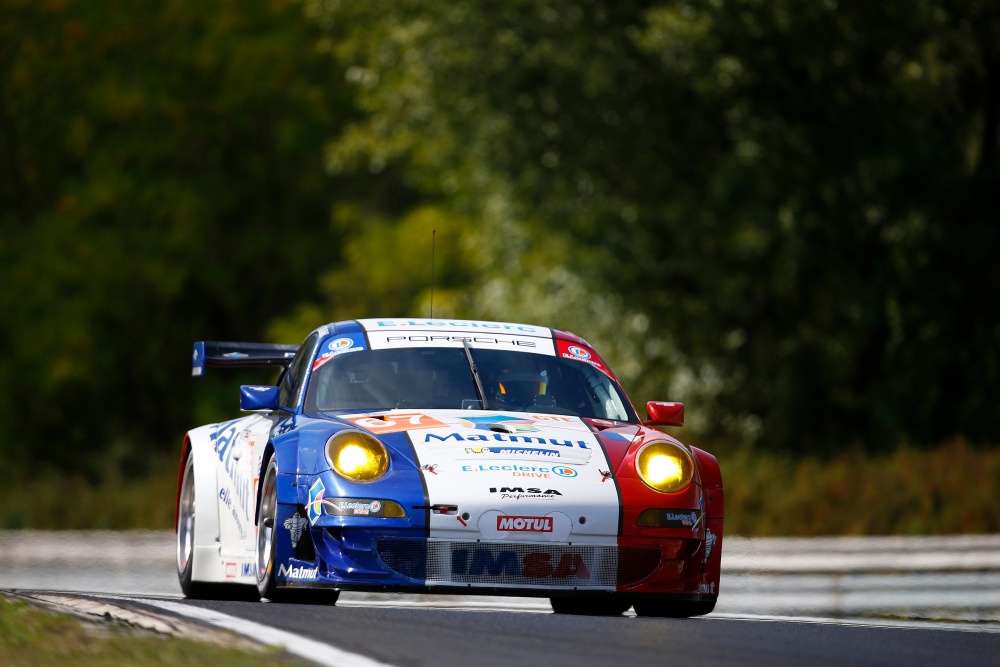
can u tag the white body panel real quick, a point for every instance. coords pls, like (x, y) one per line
(383, 334)
(226, 471)
(546, 470)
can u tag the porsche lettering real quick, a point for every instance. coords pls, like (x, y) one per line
(482, 340)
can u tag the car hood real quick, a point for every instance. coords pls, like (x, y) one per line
(508, 475)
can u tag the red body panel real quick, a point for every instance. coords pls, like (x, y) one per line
(684, 568)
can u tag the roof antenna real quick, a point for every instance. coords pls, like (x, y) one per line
(433, 238)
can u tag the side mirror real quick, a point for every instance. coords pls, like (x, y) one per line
(664, 414)
(258, 397)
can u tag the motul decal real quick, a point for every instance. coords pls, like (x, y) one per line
(527, 524)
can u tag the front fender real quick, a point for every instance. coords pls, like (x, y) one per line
(199, 444)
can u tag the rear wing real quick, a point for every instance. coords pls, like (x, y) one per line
(239, 355)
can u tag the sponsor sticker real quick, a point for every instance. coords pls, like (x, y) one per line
(514, 451)
(461, 325)
(295, 524)
(439, 438)
(338, 346)
(551, 527)
(316, 493)
(515, 470)
(710, 540)
(298, 572)
(353, 507)
(523, 493)
(384, 334)
(680, 518)
(477, 563)
(524, 524)
(242, 569)
(441, 340)
(567, 350)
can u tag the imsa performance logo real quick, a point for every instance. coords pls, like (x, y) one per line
(519, 492)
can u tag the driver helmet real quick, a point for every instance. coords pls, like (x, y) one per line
(520, 390)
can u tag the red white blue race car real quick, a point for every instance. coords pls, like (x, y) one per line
(488, 458)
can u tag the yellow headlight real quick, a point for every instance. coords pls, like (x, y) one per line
(664, 466)
(357, 456)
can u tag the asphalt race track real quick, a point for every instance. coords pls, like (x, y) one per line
(443, 637)
(367, 629)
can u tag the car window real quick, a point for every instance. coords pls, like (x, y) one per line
(440, 378)
(293, 378)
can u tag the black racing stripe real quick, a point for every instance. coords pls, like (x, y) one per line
(614, 477)
(423, 485)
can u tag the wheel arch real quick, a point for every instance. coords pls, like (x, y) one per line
(286, 453)
(198, 444)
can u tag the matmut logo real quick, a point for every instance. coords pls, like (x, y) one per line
(527, 524)
(298, 572)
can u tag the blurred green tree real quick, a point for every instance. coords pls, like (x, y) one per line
(800, 198)
(161, 181)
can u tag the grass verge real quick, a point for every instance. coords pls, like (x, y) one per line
(946, 490)
(32, 637)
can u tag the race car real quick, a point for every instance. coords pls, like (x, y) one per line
(446, 456)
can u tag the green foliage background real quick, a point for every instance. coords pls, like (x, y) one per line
(782, 213)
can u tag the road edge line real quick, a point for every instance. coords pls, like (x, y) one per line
(303, 647)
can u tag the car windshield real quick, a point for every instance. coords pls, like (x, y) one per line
(441, 378)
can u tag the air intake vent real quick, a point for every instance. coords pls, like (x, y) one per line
(517, 565)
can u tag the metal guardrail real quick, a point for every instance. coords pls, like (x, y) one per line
(954, 577)
(944, 553)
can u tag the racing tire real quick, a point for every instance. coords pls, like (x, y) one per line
(198, 590)
(673, 608)
(589, 606)
(267, 516)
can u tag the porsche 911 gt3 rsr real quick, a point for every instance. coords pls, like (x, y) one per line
(462, 456)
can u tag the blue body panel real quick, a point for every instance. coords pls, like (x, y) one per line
(344, 546)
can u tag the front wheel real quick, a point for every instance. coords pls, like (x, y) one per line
(673, 608)
(589, 606)
(267, 515)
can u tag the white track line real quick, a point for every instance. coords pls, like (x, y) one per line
(947, 626)
(303, 647)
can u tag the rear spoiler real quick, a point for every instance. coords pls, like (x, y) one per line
(239, 355)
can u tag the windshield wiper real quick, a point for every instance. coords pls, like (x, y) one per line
(475, 375)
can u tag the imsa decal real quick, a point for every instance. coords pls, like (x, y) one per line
(481, 562)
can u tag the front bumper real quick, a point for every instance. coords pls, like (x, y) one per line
(381, 557)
